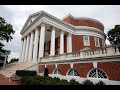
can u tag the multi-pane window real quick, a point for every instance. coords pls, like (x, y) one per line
(97, 73)
(97, 44)
(86, 40)
(56, 71)
(72, 72)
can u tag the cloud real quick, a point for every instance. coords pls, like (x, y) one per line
(18, 14)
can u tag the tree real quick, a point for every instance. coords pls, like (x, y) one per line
(6, 30)
(114, 35)
(13, 60)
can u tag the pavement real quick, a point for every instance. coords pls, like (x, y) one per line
(5, 81)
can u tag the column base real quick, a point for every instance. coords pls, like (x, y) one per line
(34, 60)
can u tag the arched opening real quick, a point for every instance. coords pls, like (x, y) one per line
(72, 72)
(56, 71)
(97, 73)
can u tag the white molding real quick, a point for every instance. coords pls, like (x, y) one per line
(94, 64)
(88, 41)
(59, 24)
(96, 38)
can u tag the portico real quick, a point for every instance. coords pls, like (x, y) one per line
(34, 42)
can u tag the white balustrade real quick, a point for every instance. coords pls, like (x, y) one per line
(99, 52)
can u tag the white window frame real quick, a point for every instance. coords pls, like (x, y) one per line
(96, 38)
(86, 44)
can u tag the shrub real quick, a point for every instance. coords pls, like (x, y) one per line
(100, 83)
(23, 73)
(26, 80)
(87, 82)
(73, 82)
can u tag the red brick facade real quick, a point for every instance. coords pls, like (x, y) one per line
(81, 22)
(64, 68)
(110, 68)
(83, 68)
(77, 43)
(41, 68)
(50, 68)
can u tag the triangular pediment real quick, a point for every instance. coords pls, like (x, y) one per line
(30, 19)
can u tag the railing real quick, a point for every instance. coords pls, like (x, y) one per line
(110, 50)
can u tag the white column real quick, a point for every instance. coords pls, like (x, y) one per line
(42, 39)
(52, 46)
(31, 47)
(23, 51)
(69, 43)
(20, 58)
(27, 48)
(62, 42)
(35, 50)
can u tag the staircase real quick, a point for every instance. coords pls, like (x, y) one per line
(10, 69)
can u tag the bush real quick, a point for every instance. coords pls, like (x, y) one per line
(87, 82)
(100, 83)
(22, 73)
(73, 82)
(27, 80)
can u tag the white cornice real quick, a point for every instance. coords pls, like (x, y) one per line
(47, 18)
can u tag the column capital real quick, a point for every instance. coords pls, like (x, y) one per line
(42, 25)
(62, 32)
(69, 34)
(52, 27)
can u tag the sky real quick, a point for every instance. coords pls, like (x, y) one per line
(108, 15)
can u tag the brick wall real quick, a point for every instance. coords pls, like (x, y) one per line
(81, 22)
(83, 68)
(64, 68)
(112, 69)
(41, 68)
(50, 68)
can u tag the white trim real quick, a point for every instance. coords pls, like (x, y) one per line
(96, 38)
(73, 29)
(94, 64)
(86, 44)
(97, 76)
(57, 23)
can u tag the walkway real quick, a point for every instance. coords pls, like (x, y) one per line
(4, 81)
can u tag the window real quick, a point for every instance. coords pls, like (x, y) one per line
(56, 71)
(86, 40)
(46, 45)
(72, 72)
(97, 44)
(97, 73)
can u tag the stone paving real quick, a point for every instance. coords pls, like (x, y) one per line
(4, 81)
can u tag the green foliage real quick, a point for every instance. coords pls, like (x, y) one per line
(114, 35)
(22, 73)
(13, 60)
(100, 83)
(6, 30)
(74, 82)
(40, 80)
(87, 82)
